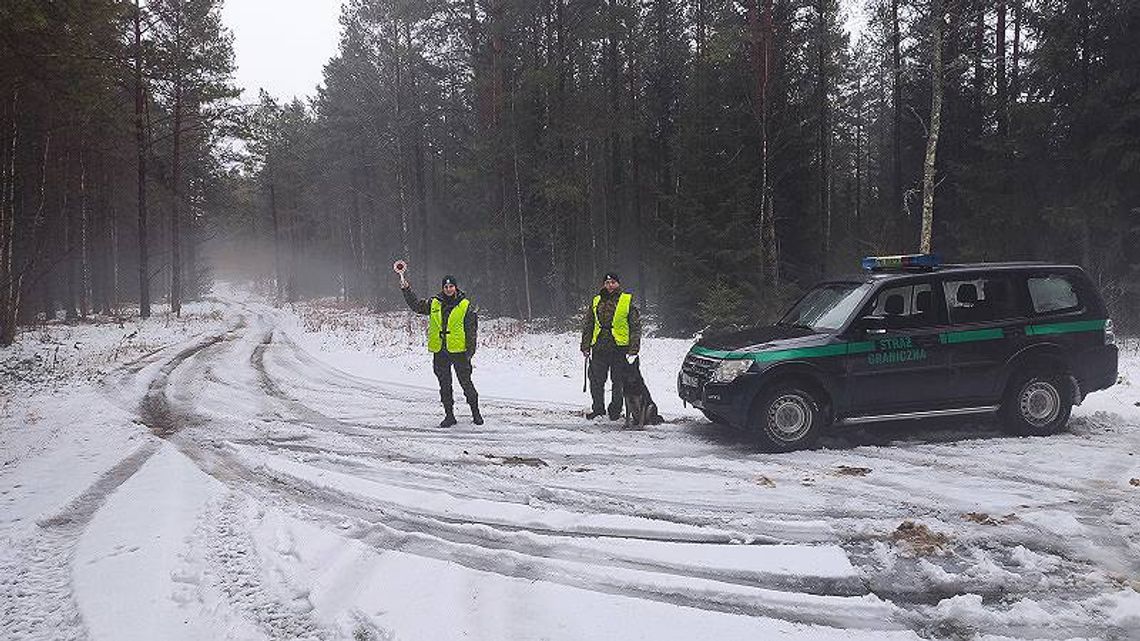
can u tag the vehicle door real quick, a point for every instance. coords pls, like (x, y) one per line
(896, 362)
(987, 326)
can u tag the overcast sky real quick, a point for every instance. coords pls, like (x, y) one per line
(282, 45)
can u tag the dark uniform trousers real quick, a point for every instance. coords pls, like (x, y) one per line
(609, 362)
(441, 364)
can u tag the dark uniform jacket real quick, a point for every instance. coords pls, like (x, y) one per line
(606, 307)
(447, 303)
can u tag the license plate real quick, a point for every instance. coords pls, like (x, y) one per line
(688, 380)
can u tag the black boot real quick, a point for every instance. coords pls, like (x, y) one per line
(595, 413)
(615, 412)
(448, 418)
(476, 417)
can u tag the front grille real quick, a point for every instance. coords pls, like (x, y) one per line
(699, 367)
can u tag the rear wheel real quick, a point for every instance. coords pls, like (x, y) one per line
(787, 417)
(1037, 404)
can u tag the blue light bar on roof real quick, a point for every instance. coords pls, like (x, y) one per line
(906, 261)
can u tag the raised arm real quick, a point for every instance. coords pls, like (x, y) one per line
(417, 305)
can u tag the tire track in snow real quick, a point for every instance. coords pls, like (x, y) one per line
(231, 549)
(240, 575)
(37, 599)
(155, 409)
(499, 548)
(513, 552)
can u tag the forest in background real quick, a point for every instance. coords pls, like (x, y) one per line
(722, 155)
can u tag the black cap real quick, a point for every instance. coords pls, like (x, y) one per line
(611, 275)
(449, 280)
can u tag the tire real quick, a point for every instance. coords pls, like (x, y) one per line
(1037, 404)
(787, 417)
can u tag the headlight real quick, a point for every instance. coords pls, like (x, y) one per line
(1109, 334)
(728, 371)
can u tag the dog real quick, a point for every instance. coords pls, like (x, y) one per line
(640, 410)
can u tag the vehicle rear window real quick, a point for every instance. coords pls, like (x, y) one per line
(1052, 294)
(980, 300)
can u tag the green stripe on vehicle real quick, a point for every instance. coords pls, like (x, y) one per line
(822, 351)
(1065, 328)
(970, 336)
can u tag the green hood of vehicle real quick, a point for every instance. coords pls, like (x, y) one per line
(783, 349)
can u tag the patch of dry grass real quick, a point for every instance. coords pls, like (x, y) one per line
(920, 540)
(981, 518)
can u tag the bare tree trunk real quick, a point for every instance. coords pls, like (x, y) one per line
(613, 218)
(69, 246)
(1014, 72)
(293, 231)
(357, 243)
(1002, 108)
(519, 208)
(176, 171)
(280, 281)
(112, 302)
(639, 233)
(501, 260)
(559, 263)
(84, 252)
(39, 239)
(761, 28)
(422, 214)
(979, 56)
(824, 135)
(859, 160)
(141, 148)
(397, 89)
(896, 131)
(1084, 13)
(928, 174)
(9, 291)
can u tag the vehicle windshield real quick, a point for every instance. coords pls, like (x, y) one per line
(826, 307)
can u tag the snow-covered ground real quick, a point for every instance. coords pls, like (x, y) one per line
(246, 472)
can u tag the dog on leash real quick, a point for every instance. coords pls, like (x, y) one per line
(640, 410)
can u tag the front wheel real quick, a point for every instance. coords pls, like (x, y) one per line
(787, 418)
(1037, 404)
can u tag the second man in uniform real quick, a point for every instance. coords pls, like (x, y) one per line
(611, 338)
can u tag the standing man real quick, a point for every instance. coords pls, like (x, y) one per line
(611, 338)
(451, 335)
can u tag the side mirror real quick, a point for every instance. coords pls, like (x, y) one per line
(873, 324)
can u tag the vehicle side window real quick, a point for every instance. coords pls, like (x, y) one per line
(906, 307)
(1053, 294)
(980, 300)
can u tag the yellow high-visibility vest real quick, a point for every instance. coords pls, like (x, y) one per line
(619, 328)
(456, 334)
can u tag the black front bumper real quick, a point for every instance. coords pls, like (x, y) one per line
(728, 402)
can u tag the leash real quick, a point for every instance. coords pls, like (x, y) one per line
(585, 373)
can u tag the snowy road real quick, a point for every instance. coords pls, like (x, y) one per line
(237, 484)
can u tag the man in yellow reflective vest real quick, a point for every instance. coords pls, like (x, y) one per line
(452, 327)
(611, 339)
